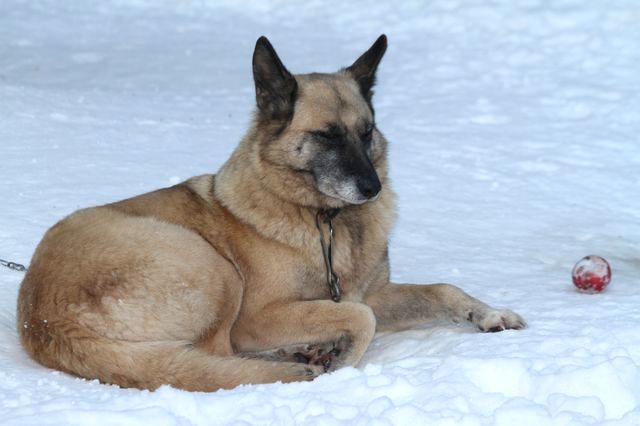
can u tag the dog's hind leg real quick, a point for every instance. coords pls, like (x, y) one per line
(314, 354)
(401, 306)
(148, 365)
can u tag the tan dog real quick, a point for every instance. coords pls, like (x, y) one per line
(229, 279)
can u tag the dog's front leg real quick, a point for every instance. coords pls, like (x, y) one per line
(401, 306)
(281, 328)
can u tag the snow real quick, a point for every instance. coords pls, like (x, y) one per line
(514, 130)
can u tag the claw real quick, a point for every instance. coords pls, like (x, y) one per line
(496, 321)
(326, 363)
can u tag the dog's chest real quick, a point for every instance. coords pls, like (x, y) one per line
(354, 253)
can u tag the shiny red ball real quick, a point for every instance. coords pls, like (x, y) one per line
(591, 274)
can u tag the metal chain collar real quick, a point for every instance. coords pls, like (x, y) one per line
(333, 281)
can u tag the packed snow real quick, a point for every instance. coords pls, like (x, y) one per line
(514, 152)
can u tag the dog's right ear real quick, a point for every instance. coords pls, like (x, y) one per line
(275, 86)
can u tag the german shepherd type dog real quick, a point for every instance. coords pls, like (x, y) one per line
(275, 269)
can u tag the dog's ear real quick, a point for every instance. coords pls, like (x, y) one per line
(364, 68)
(275, 86)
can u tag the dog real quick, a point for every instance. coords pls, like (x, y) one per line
(274, 269)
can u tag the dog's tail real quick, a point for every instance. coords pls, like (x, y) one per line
(147, 365)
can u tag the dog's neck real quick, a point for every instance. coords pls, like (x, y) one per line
(241, 189)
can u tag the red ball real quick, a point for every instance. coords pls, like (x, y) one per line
(591, 274)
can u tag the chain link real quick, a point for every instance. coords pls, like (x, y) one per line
(12, 265)
(333, 281)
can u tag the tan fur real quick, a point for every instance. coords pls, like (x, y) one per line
(189, 285)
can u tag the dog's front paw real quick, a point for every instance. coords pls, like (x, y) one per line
(500, 320)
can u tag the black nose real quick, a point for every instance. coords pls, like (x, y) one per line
(369, 187)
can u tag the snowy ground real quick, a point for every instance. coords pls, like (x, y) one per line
(514, 128)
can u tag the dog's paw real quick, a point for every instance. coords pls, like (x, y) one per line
(287, 372)
(306, 372)
(500, 320)
(318, 354)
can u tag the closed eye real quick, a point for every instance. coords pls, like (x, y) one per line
(367, 134)
(330, 132)
(323, 134)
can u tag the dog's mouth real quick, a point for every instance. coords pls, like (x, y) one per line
(348, 192)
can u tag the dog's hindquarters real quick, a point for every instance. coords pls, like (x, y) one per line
(137, 302)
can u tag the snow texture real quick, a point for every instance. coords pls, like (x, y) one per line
(514, 152)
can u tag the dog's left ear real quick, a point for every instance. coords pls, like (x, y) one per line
(364, 68)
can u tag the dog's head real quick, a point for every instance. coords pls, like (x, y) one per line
(317, 139)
